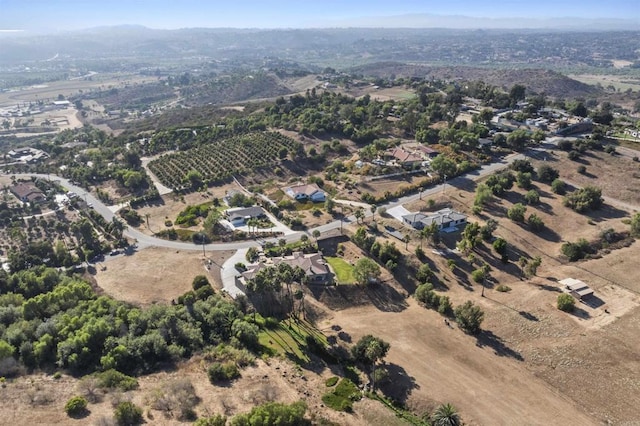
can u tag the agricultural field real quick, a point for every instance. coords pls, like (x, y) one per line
(221, 159)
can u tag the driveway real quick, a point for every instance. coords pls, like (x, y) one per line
(397, 212)
(228, 273)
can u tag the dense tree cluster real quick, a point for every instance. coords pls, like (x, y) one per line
(47, 317)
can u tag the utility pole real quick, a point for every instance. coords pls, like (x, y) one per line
(341, 218)
(444, 185)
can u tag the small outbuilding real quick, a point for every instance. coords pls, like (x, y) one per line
(577, 288)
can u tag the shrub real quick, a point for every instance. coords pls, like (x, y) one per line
(546, 173)
(516, 212)
(478, 275)
(583, 199)
(113, 379)
(331, 381)
(240, 267)
(128, 414)
(574, 155)
(220, 372)
(503, 288)
(216, 420)
(342, 396)
(76, 406)
(566, 302)
(469, 317)
(274, 413)
(581, 169)
(500, 246)
(532, 197)
(558, 186)
(535, 222)
(576, 251)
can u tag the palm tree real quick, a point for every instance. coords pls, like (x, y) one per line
(373, 212)
(446, 415)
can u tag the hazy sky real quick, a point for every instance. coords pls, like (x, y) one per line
(41, 15)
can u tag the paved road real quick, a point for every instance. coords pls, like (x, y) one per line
(144, 240)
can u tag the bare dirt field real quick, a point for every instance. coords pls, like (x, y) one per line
(156, 275)
(618, 176)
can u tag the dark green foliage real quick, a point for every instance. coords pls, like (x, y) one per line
(635, 225)
(188, 216)
(369, 349)
(76, 406)
(274, 414)
(566, 302)
(112, 379)
(215, 420)
(500, 246)
(523, 179)
(62, 321)
(535, 222)
(424, 273)
(501, 182)
(200, 281)
(583, 199)
(342, 397)
(547, 174)
(558, 187)
(128, 414)
(469, 317)
(576, 251)
(532, 197)
(223, 372)
(523, 166)
(516, 212)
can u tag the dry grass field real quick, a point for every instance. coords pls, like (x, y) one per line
(156, 275)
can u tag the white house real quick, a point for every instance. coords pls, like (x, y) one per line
(447, 219)
(309, 192)
(240, 215)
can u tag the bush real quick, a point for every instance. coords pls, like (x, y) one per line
(216, 420)
(576, 251)
(574, 155)
(274, 413)
(566, 302)
(559, 187)
(500, 246)
(128, 414)
(331, 381)
(535, 222)
(342, 397)
(76, 406)
(532, 197)
(516, 212)
(546, 173)
(469, 317)
(581, 169)
(503, 288)
(583, 199)
(220, 372)
(113, 379)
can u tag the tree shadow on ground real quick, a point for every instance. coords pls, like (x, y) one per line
(400, 385)
(606, 212)
(580, 313)
(487, 338)
(381, 295)
(528, 316)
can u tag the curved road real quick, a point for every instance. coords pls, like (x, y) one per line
(144, 240)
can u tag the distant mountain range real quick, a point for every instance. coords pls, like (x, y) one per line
(425, 20)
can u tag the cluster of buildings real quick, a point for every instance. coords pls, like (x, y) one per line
(25, 155)
(315, 268)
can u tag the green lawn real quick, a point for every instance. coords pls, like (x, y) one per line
(289, 339)
(343, 270)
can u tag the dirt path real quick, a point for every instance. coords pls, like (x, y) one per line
(445, 365)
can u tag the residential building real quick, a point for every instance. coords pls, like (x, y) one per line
(240, 215)
(308, 192)
(27, 192)
(447, 219)
(316, 269)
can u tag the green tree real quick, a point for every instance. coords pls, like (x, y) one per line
(444, 166)
(535, 222)
(484, 195)
(559, 187)
(523, 179)
(583, 199)
(469, 317)
(532, 197)
(369, 350)
(366, 271)
(566, 302)
(516, 212)
(500, 246)
(546, 173)
(446, 415)
(518, 139)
